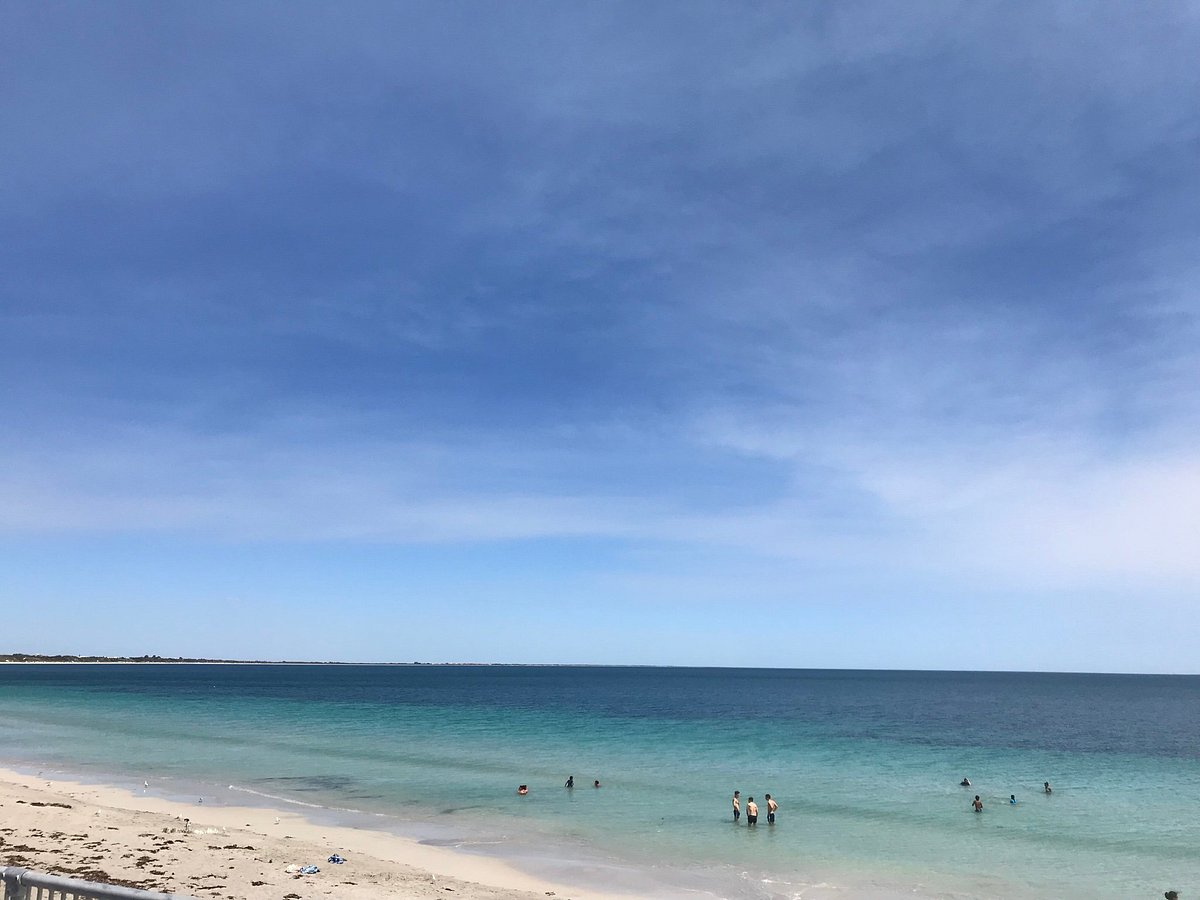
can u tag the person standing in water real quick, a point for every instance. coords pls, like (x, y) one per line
(737, 806)
(771, 807)
(570, 782)
(751, 812)
(978, 804)
(1046, 788)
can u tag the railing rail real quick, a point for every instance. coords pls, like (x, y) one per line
(25, 884)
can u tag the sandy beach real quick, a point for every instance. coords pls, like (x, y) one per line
(102, 833)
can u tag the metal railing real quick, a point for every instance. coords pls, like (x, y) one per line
(24, 884)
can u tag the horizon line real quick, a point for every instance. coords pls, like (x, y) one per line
(94, 659)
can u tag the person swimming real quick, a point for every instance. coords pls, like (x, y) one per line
(1046, 788)
(596, 783)
(966, 782)
(1012, 799)
(523, 789)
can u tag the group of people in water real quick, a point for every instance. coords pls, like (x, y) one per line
(773, 806)
(570, 785)
(977, 804)
(752, 809)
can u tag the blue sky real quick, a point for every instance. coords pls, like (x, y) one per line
(835, 334)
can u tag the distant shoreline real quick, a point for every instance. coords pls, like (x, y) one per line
(66, 659)
(23, 658)
(33, 658)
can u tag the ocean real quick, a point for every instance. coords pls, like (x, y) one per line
(865, 765)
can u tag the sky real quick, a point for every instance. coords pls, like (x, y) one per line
(766, 334)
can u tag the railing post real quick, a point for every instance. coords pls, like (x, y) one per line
(23, 884)
(13, 889)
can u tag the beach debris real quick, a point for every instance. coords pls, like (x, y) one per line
(336, 860)
(309, 870)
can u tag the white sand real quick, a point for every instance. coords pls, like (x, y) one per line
(229, 853)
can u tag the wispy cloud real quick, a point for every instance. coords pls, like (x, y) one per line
(797, 290)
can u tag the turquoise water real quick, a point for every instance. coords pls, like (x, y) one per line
(865, 765)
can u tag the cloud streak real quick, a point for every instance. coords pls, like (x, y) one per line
(799, 291)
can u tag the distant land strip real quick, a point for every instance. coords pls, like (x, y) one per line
(67, 658)
(71, 658)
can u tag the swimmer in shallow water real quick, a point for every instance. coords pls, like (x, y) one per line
(1046, 788)
(978, 804)
(523, 790)
(966, 782)
(1012, 799)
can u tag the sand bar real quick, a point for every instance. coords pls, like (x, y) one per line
(104, 833)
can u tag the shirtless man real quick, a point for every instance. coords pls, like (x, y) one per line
(978, 804)
(771, 807)
(737, 805)
(751, 812)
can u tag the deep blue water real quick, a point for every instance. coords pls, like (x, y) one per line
(865, 764)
